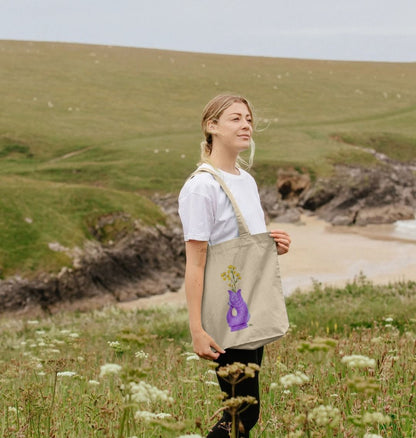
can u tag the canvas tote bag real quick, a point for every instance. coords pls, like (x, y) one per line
(243, 304)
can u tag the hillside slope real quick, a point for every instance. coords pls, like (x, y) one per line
(111, 124)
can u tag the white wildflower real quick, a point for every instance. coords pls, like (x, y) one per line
(109, 368)
(372, 435)
(273, 385)
(156, 151)
(192, 357)
(376, 417)
(194, 435)
(12, 409)
(358, 361)
(74, 335)
(211, 383)
(28, 220)
(66, 374)
(325, 416)
(33, 322)
(50, 104)
(294, 379)
(287, 391)
(93, 382)
(141, 355)
(148, 416)
(388, 319)
(144, 392)
(114, 344)
(183, 156)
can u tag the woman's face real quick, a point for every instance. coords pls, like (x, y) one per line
(234, 128)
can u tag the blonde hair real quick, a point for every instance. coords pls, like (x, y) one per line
(212, 112)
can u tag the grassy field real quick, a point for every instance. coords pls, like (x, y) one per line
(114, 373)
(113, 124)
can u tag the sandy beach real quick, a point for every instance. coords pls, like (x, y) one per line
(330, 255)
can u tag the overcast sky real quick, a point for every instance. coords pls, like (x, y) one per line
(374, 30)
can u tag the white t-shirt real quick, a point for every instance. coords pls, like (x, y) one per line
(206, 212)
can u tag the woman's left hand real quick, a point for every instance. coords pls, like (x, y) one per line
(282, 240)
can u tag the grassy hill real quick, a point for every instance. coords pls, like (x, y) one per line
(87, 130)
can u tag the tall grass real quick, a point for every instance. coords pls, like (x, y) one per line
(110, 373)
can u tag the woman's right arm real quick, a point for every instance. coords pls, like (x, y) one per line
(196, 255)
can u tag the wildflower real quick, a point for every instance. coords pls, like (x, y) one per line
(148, 416)
(74, 335)
(193, 357)
(358, 361)
(194, 435)
(388, 319)
(141, 355)
(66, 374)
(294, 379)
(325, 416)
(372, 435)
(273, 385)
(317, 344)
(296, 434)
(109, 368)
(144, 392)
(12, 409)
(93, 382)
(376, 417)
(360, 384)
(113, 344)
(281, 366)
(211, 383)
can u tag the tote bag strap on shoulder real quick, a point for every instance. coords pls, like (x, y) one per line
(242, 226)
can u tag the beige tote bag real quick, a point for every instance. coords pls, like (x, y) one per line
(243, 304)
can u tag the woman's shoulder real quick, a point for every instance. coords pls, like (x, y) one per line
(201, 183)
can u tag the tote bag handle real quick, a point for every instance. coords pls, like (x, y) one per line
(242, 226)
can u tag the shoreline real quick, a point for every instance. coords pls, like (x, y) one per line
(328, 254)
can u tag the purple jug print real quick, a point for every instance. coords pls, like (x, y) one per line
(237, 315)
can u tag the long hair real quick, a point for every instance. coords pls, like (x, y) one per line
(212, 112)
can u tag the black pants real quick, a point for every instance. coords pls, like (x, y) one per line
(247, 387)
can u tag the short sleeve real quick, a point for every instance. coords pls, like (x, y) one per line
(197, 216)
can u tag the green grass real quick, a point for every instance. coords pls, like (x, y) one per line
(327, 324)
(36, 214)
(127, 119)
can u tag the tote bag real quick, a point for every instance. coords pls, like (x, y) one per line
(242, 303)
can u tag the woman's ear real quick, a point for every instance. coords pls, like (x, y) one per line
(212, 127)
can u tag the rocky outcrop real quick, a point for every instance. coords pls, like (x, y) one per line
(147, 261)
(351, 196)
(360, 196)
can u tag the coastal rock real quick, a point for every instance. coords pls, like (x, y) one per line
(361, 196)
(148, 261)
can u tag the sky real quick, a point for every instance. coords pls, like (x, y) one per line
(358, 30)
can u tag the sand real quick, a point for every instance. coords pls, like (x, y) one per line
(330, 255)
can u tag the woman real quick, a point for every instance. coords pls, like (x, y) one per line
(208, 218)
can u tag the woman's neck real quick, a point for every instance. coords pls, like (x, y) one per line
(224, 162)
